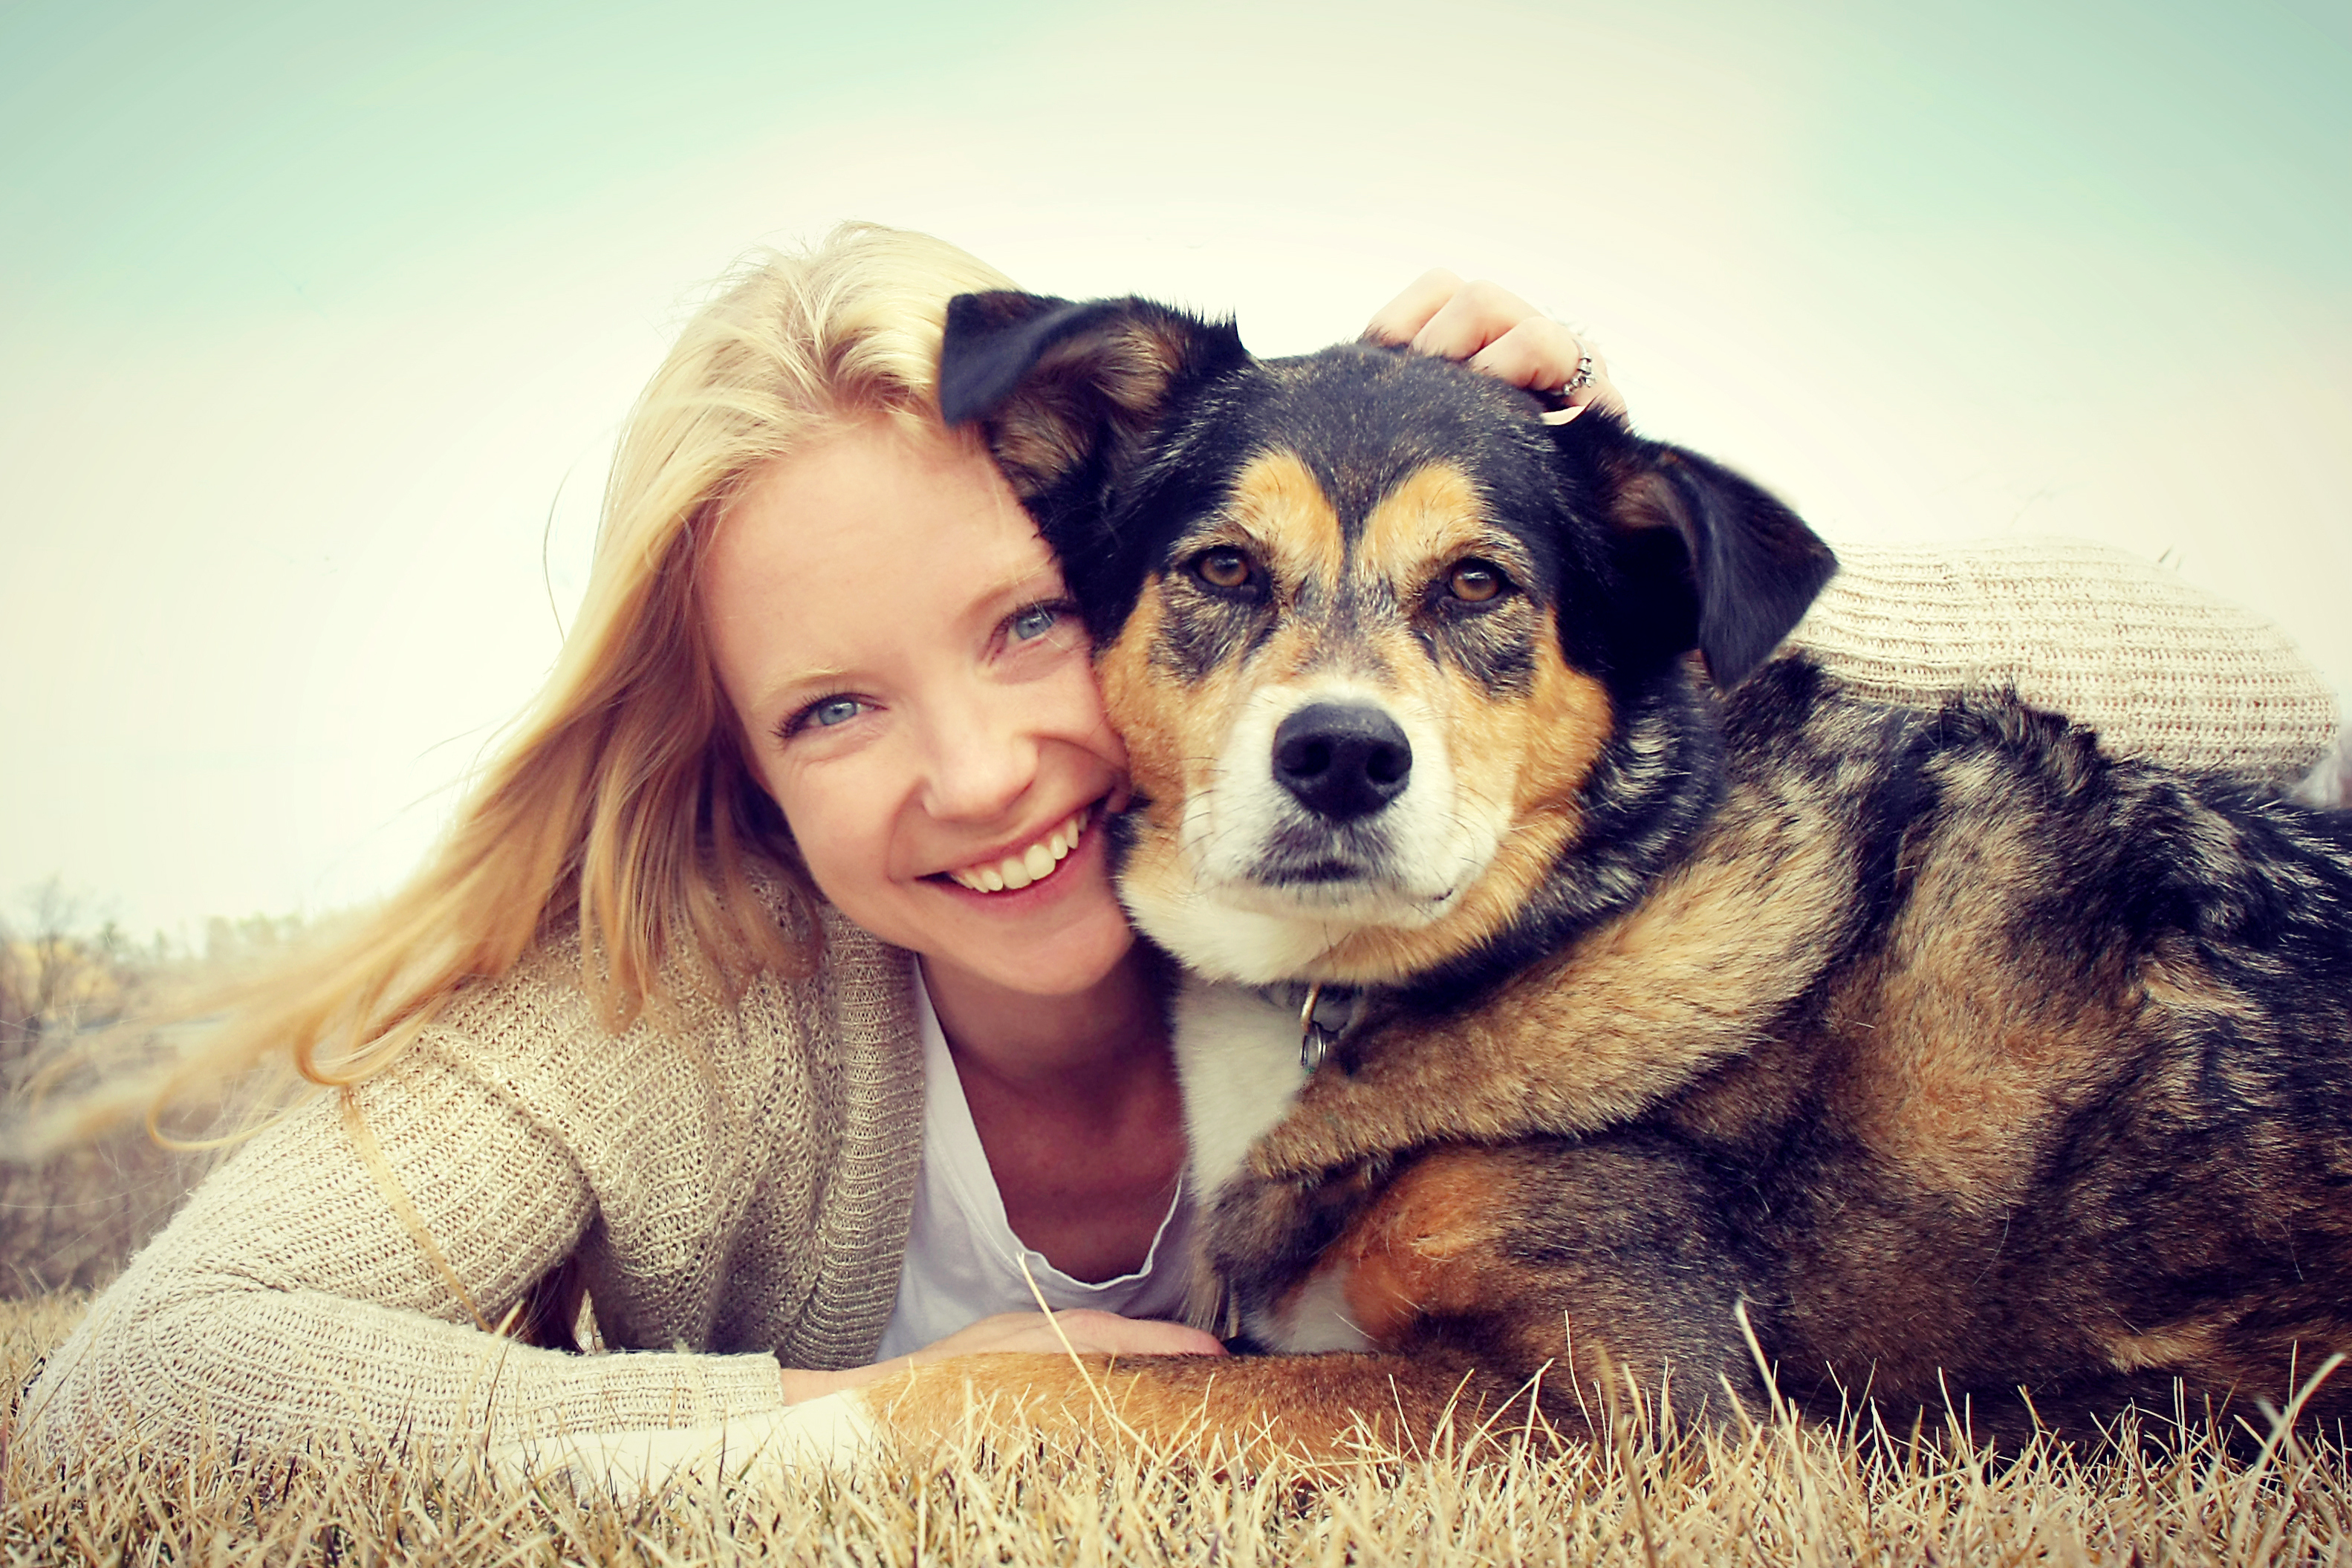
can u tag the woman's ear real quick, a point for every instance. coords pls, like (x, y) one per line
(1715, 562)
(1064, 393)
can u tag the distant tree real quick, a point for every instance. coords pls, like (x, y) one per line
(19, 1024)
(72, 1218)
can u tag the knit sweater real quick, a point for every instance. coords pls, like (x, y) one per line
(733, 1185)
(2162, 670)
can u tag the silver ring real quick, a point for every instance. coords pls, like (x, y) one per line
(1581, 379)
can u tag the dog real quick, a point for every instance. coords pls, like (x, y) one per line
(1584, 995)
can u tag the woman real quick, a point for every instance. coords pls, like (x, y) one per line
(805, 829)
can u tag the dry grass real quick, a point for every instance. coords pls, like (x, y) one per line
(1772, 1495)
(73, 1219)
(90, 1019)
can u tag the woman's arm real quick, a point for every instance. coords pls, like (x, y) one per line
(2160, 670)
(706, 1189)
(1079, 1329)
(289, 1307)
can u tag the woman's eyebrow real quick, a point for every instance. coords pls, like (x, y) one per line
(813, 678)
(1024, 579)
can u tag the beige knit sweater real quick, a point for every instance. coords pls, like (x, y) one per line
(2160, 669)
(736, 1189)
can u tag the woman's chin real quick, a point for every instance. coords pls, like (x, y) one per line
(1067, 962)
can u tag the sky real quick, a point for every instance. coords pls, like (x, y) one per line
(317, 321)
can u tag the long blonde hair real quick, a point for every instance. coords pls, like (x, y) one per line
(619, 807)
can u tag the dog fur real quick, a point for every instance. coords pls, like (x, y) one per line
(1685, 995)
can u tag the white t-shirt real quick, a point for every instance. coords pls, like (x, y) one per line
(963, 1262)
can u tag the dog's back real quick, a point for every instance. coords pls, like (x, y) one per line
(2070, 1104)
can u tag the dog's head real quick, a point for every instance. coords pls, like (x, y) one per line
(1372, 628)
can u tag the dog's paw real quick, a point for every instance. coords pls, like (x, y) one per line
(1262, 1233)
(836, 1431)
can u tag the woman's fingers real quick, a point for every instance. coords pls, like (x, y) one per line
(1542, 355)
(1477, 313)
(1109, 1334)
(1400, 319)
(1494, 330)
(1080, 1328)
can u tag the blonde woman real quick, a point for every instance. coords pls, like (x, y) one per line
(767, 1013)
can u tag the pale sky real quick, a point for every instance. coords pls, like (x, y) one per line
(315, 320)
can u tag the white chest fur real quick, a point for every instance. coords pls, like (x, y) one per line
(1238, 1055)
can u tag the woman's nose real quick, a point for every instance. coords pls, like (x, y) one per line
(982, 757)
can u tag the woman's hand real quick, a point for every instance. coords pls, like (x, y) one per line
(1079, 1329)
(1494, 330)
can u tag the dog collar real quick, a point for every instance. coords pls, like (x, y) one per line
(1326, 1012)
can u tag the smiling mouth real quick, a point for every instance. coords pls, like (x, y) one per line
(1033, 864)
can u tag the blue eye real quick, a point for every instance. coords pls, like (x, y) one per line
(832, 711)
(825, 713)
(1033, 623)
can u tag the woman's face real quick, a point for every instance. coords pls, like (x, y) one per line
(915, 692)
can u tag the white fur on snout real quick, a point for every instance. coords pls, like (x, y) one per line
(1417, 854)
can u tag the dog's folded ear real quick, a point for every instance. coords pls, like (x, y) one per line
(1714, 561)
(1066, 392)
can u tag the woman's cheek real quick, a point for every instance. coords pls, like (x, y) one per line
(844, 849)
(1090, 720)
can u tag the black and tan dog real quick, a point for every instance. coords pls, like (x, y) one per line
(1977, 1071)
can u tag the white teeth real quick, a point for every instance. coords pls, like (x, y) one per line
(1032, 864)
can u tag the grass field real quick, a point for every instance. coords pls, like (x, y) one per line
(1768, 1495)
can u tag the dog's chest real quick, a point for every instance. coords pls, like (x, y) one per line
(1237, 1051)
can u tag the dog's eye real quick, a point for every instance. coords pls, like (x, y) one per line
(1223, 567)
(1475, 582)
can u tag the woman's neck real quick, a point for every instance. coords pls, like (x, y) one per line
(1075, 1102)
(1052, 1046)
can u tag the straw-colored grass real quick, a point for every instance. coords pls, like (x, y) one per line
(1773, 1494)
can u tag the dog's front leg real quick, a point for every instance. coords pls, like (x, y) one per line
(1570, 1264)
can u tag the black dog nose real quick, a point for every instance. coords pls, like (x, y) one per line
(1342, 760)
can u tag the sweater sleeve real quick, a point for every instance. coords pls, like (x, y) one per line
(2162, 670)
(289, 1307)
